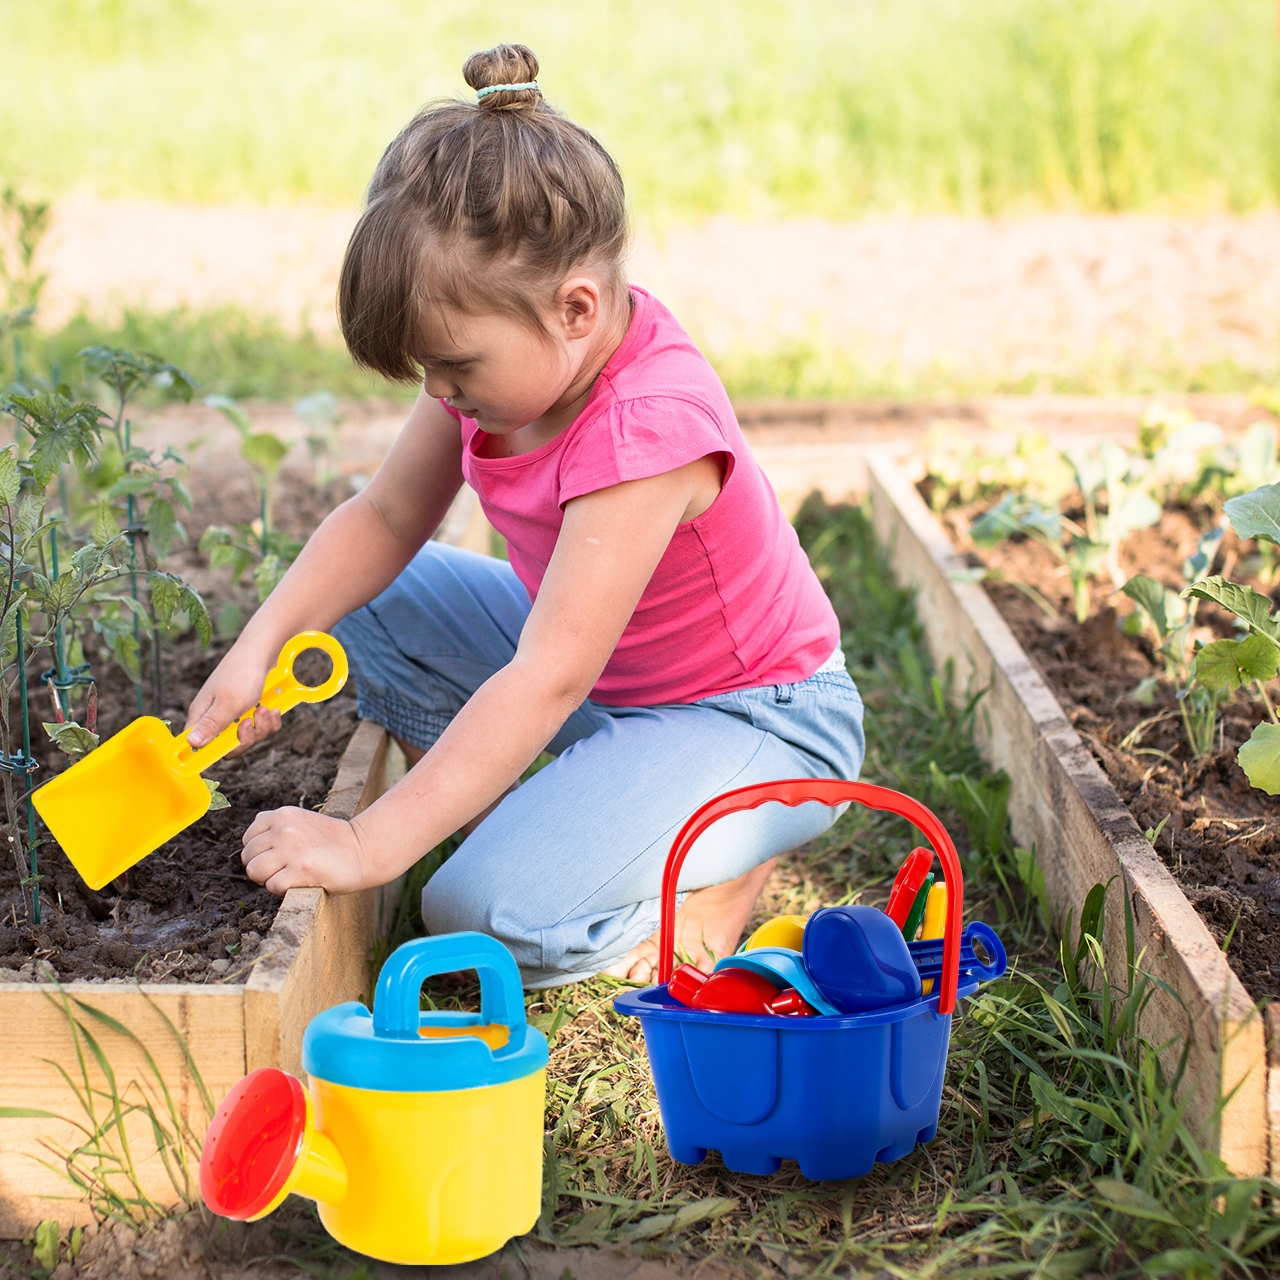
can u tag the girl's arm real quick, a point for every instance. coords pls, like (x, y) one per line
(609, 545)
(352, 557)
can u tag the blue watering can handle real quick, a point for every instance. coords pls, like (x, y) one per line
(396, 999)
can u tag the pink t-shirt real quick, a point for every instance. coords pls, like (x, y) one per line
(733, 603)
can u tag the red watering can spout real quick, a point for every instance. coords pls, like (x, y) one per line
(828, 791)
(262, 1145)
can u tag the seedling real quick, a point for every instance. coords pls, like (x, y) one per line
(1172, 619)
(320, 414)
(1227, 665)
(258, 546)
(1063, 538)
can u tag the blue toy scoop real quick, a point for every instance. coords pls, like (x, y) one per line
(858, 959)
(783, 967)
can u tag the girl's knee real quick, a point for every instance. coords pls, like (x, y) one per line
(450, 908)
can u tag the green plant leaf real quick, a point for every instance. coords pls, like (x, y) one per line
(105, 529)
(1246, 603)
(1137, 511)
(74, 739)
(1133, 1200)
(45, 1246)
(267, 575)
(55, 597)
(1148, 593)
(216, 799)
(162, 527)
(1260, 758)
(1053, 1102)
(233, 411)
(1228, 664)
(135, 482)
(10, 480)
(1258, 455)
(1256, 514)
(169, 594)
(30, 512)
(318, 411)
(264, 451)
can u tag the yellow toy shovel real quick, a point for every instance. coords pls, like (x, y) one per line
(143, 786)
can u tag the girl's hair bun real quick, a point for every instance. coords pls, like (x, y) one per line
(504, 64)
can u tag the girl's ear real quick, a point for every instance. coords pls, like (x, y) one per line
(577, 306)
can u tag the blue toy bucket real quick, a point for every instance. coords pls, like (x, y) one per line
(835, 1093)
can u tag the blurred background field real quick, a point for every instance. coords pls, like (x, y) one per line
(845, 198)
(760, 107)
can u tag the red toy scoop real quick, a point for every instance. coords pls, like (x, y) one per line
(735, 991)
(253, 1144)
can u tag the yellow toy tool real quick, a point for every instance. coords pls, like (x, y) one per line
(143, 786)
(935, 920)
(781, 931)
(421, 1134)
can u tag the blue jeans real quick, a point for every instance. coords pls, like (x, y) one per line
(566, 871)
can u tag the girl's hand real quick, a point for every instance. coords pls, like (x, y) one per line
(234, 687)
(295, 848)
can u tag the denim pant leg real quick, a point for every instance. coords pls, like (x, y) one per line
(566, 871)
(433, 637)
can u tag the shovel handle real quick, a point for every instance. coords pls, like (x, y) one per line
(282, 691)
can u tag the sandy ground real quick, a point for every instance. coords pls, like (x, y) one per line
(999, 299)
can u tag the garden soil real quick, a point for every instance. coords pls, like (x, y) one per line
(188, 912)
(1218, 835)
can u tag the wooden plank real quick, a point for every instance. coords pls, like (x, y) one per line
(209, 1018)
(1063, 806)
(317, 952)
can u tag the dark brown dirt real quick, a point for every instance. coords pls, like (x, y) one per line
(187, 913)
(1221, 839)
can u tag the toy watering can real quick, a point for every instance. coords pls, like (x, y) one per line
(143, 786)
(836, 1092)
(421, 1134)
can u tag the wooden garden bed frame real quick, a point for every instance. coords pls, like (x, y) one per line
(1063, 806)
(315, 955)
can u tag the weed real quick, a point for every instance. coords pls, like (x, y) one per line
(120, 1122)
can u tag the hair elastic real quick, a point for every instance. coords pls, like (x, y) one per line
(496, 88)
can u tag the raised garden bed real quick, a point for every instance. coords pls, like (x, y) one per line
(1066, 808)
(197, 1037)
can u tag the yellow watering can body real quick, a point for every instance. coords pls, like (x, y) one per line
(143, 786)
(421, 1134)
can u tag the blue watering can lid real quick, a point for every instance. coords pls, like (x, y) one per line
(388, 1050)
(780, 964)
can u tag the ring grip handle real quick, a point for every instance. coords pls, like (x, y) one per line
(831, 792)
(281, 691)
(396, 998)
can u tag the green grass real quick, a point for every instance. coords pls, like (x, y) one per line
(756, 107)
(227, 351)
(1061, 1150)
(234, 353)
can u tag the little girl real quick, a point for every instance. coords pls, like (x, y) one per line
(658, 630)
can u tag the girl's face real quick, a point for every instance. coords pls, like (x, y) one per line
(504, 374)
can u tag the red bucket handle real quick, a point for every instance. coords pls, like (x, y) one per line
(828, 791)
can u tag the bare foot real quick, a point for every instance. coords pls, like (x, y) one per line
(708, 927)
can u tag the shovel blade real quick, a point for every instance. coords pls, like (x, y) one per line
(122, 802)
